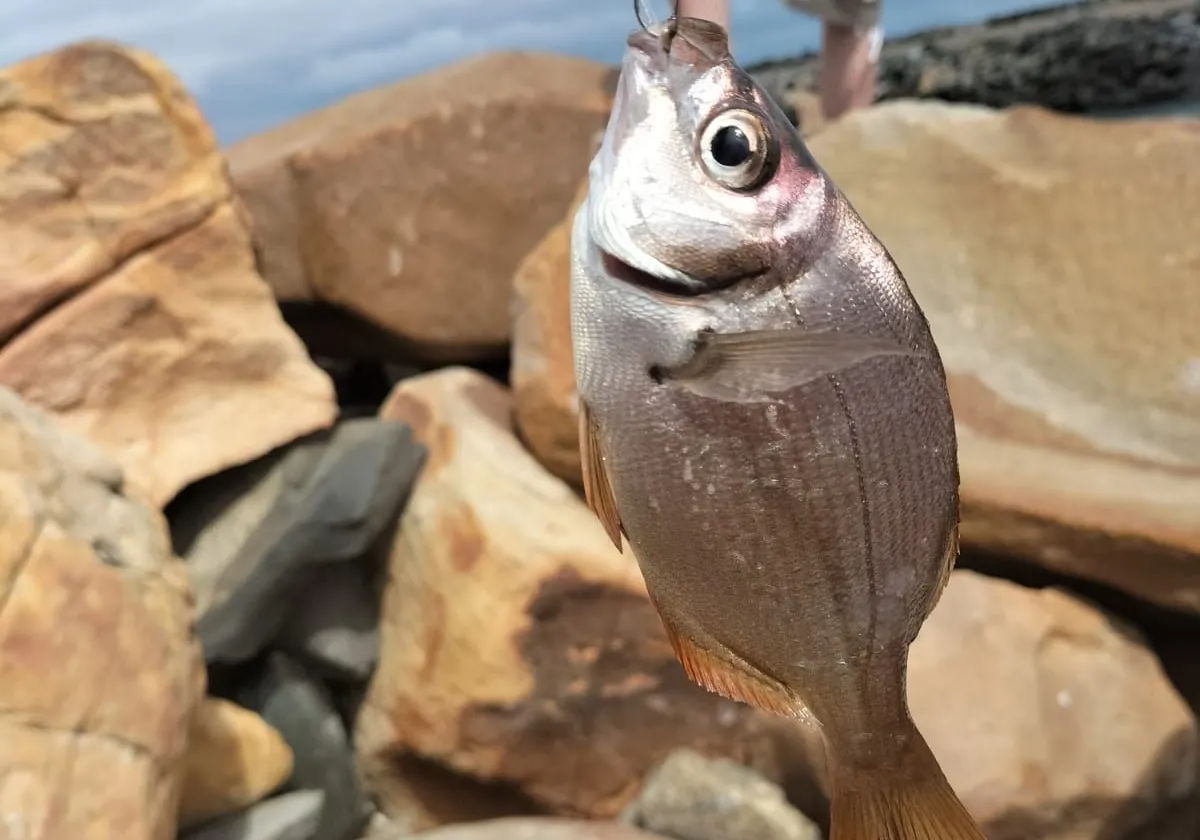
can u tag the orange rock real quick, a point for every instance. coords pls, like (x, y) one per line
(234, 759)
(1056, 258)
(102, 153)
(1050, 719)
(130, 300)
(412, 205)
(542, 371)
(99, 670)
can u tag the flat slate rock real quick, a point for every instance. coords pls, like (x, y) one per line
(255, 536)
(291, 816)
(333, 625)
(692, 797)
(289, 698)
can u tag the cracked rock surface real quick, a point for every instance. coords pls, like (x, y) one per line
(128, 289)
(99, 671)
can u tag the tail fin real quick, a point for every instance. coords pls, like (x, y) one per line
(912, 801)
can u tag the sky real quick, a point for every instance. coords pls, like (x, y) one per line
(252, 64)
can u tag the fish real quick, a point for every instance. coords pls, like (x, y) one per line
(764, 421)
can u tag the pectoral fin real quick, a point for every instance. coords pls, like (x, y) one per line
(597, 489)
(746, 366)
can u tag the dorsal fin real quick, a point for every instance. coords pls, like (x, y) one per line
(597, 489)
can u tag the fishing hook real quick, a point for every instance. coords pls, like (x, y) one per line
(669, 30)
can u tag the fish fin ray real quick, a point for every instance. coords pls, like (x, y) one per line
(597, 489)
(744, 366)
(732, 680)
(912, 801)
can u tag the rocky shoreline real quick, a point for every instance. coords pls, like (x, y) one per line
(292, 543)
(1087, 57)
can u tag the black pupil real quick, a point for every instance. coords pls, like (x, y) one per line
(731, 146)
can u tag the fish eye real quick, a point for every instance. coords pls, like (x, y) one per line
(733, 149)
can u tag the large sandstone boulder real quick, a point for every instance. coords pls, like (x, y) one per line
(411, 205)
(99, 670)
(130, 306)
(1057, 259)
(517, 645)
(1051, 719)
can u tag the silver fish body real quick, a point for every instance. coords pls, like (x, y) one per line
(765, 404)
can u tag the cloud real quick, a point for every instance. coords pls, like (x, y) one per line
(252, 63)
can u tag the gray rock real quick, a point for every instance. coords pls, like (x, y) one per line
(348, 699)
(690, 797)
(1095, 56)
(535, 828)
(254, 536)
(291, 816)
(381, 827)
(333, 625)
(300, 708)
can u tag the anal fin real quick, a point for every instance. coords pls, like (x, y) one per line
(597, 489)
(730, 677)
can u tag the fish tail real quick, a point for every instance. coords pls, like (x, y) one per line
(909, 801)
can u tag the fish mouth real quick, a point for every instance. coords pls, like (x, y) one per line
(618, 269)
(623, 272)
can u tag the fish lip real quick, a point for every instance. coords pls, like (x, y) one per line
(621, 271)
(624, 272)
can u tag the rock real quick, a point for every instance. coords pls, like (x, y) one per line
(255, 536)
(1099, 55)
(535, 828)
(300, 708)
(411, 205)
(99, 673)
(292, 816)
(690, 797)
(1050, 719)
(380, 827)
(420, 795)
(806, 113)
(131, 305)
(543, 371)
(1055, 258)
(334, 625)
(234, 759)
(517, 645)
(104, 155)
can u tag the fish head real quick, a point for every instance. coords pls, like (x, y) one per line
(700, 181)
